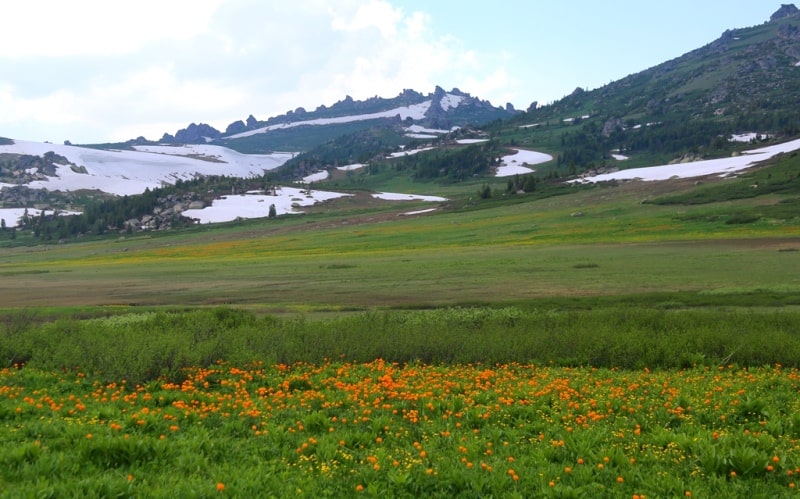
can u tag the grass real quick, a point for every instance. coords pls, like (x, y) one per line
(469, 251)
(379, 428)
(494, 347)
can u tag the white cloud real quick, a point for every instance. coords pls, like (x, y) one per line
(54, 28)
(375, 14)
(99, 71)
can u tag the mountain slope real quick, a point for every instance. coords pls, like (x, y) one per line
(300, 130)
(748, 80)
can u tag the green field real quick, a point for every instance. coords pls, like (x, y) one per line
(622, 340)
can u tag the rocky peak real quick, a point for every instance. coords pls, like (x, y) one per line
(786, 10)
(193, 134)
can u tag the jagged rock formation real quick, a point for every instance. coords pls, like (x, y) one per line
(786, 10)
(193, 134)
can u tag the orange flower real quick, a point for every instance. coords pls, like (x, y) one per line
(220, 486)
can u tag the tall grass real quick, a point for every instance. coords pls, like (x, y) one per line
(140, 347)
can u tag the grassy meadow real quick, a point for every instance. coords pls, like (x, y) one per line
(622, 340)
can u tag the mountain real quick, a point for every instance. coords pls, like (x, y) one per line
(300, 130)
(717, 109)
(747, 80)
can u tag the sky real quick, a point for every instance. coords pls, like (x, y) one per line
(93, 71)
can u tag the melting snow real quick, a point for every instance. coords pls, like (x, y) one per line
(12, 215)
(257, 206)
(354, 166)
(422, 129)
(315, 177)
(720, 166)
(394, 196)
(450, 100)
(415, 111)
(619, 157)
(514, 164)
(418, 212)
(421, 136)
(471, 141)
(131, 172)
(747, 137)
(400, 154)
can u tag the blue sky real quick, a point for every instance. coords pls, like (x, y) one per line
(93, 71)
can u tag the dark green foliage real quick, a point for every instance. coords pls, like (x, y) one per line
(450, 164)
(109, 214)
(360, 146)
(140, 347)
(522, 183)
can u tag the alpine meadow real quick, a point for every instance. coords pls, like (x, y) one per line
(419, 296)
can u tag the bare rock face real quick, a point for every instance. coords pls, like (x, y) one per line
(786, 10)
(612, 125)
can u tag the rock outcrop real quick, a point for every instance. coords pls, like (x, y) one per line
(786, 10)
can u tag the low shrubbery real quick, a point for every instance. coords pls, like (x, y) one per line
(141, 347)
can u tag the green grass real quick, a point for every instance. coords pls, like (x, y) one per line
(344, 429)
(243, 354)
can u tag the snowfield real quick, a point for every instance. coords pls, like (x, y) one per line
(354, 166)
(449, 101)
(747, 137)
(394, 196)
(514, 164)
(422, 129)
(11, 216)
(230, 208)
(131, 172)
(286, 201)
(721, 166)
(415, 112)
(410, 152)
(315, 177)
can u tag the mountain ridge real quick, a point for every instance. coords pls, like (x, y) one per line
(445, 110)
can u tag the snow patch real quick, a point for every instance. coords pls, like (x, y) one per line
(411, 152)
(131, 172)
(619, 157)
(12, 215)
(316, 177)
(354, 166)
(418, 212)
(229, 208)
(515, 164)
(415, 111)
(471, 141)
(421, 136)
(747, 137)
(450, 100)
(422, 129)
(395, 196)
(721, 166)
